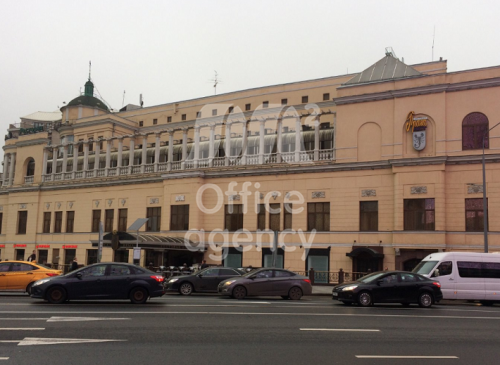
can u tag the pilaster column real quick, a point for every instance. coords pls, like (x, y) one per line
(196, 145)
(109, 142)
(6, 166)
(184, 148)
(119, 155)
(262, 132)
(85, 157)
(244, 142)
(144, 157)
(227, 148)
(298, 129)
(97, 156)
(316, 138)
(44, 163)
(11, 167)
(170, 150)
(131, 154)
(279, 140)
(54, 161)
(65, 160)
(75, 160)
(211, 146)
(157, 150)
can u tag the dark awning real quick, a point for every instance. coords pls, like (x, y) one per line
(365, 250)
(150, 241)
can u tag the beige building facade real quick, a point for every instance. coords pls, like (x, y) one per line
(361, 172)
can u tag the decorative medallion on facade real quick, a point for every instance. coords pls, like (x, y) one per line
(23, 206)
(180, 198)
(474, 189)
(96, 203)
(419, 189)
(123, 201)
(275, 194)
(58, 204)
(70, 205)
(317, 194)
(47, 206)
(233, 197)
(417, 126)
(287, 195)
(110, 202)
(154, 201)
(1, 208)
(368, 192)
(261, 196)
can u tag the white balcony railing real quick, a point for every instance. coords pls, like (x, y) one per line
(29, 179)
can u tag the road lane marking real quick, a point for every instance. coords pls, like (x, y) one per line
(29, 341)
(83, 319)
(338, 329)
(4, 358)
(22, 329)
(404, 357)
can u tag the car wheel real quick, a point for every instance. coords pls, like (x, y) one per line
(186, 288)
(425, 300)
(138, 295)
(285, 297)
(56, 295)
(239, 292)
(295, 293)
(365, 299)
(405, 304)
(28, 288)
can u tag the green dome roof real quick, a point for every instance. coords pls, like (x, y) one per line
(86, 100)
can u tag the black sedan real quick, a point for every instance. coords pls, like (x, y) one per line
(267, 282)
(389, 287)
(204, 281)
(101, 281)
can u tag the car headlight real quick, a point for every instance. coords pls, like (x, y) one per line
(229, 282)
(348, 288)
(172, 280)
(40, 282)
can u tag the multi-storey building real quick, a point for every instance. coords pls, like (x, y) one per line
(361, 171)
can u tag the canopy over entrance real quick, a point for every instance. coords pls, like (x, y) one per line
(127, 240)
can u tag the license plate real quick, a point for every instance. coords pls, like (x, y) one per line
(335, 294)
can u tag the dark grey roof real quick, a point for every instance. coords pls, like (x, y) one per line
(387, 68)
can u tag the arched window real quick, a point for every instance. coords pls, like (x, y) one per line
(30, 170)
(474, 127)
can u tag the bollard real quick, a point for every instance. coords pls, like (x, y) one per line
(341, 276)
(311, 275)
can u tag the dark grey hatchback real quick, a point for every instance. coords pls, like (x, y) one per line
(389, 287)
(101, 281)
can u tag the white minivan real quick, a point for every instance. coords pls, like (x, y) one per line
(464, 275)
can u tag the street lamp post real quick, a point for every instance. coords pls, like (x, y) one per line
(485, 209)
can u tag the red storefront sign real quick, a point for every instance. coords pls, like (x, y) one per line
(70, 246)
(19, 245)
(42, 246)
(2, 246)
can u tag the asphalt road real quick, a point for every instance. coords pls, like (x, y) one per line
(206, 329)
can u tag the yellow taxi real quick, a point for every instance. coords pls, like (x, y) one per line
(20, 275)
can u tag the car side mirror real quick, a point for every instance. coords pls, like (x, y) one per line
(436, 273)
(200, 275)
(78, 275)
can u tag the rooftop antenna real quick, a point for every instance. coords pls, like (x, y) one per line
(123, 100)
(90, 68)
(141, 102)
(433, 37)
(215, 81)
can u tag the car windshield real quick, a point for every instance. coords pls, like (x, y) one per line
(370, 277)
(425, 267)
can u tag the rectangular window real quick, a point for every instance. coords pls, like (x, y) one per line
(91, 256)
(109, 215)
(265, 104)
(1, 223)
(58, 222)
(318, 216)
(179, 217)
(305, 99)
(287, 216)
(80, 146)
(274, 216)
(122, 219)
(183, 117)
(169, 119)
(154, 222)
(419, 215)
(96, 218)
(47, 216)
(233, 217)
(70, 221)
(198, 114)
(214, 112)
(474, 215)
(155, 121)
(91, 144)
(261, 217)
(248, 106)
(368, 216)
(284, 101)
(22, 221)
(231, 108)
(326, 96)
(141, 123)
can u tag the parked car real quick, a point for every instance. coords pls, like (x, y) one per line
(20, 275)
(101, 281)
(389, 287)
(203, 281)
(267, 282)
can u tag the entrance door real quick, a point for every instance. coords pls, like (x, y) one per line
(43, 256)
(320, 266)
(20, 254)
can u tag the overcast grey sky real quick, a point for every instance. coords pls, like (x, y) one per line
(168, 51)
